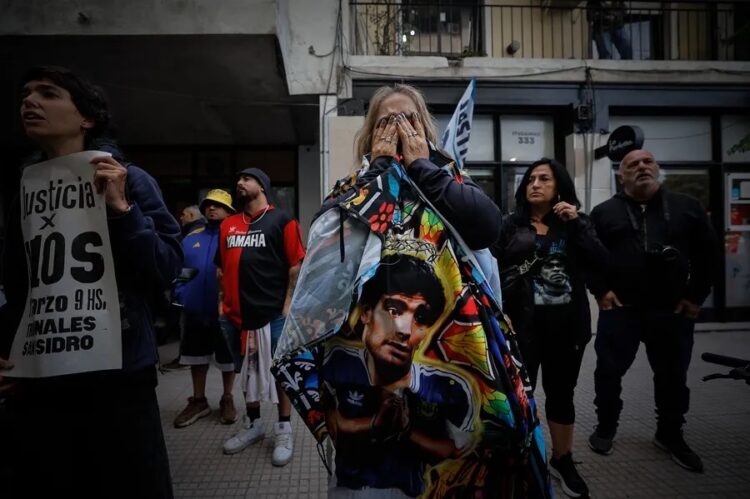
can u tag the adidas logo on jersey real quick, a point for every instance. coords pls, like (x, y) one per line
(355, 398)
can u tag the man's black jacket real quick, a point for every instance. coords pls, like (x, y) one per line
(645, 269)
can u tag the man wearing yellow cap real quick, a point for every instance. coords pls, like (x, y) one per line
(202, 337)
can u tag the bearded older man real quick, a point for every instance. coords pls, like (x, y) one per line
(663, 256)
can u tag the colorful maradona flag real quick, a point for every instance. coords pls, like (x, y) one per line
(395, 349)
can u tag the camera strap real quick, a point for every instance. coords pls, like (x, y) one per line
(665, 213)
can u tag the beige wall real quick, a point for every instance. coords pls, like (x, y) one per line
(554, 33)
(341, 130)
(689, 30)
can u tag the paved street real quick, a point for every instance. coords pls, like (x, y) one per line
(717, 430)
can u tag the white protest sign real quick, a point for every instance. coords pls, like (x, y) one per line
(71, 323)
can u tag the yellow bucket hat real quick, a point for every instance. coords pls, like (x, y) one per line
(220, 197)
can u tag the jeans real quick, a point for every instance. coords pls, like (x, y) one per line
(621, 39)
(669, 345)
(232, 336)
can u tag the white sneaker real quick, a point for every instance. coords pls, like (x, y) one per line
(284, 444)
(250, 432)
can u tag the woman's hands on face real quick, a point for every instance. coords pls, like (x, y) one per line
(395, 130)
(565, 211)
(385, 138)
(413, 142)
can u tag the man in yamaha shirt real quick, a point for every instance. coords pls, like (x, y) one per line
(260, 254)
(663, 255)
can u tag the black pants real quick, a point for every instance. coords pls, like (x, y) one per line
(553, 347)
(669, 344)
(89, 436)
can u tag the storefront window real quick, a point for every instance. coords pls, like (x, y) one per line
(481, 140)
(512, 179)
(735, 131)
(523, 139)
(693, 182)
(672, 138)
(484, 177)
(526, 138)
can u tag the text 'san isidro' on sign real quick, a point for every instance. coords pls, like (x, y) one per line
(72, 318)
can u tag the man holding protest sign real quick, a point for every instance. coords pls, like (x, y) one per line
(89, 241)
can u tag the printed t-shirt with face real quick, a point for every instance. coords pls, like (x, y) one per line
(551, 277)
(255, 254)
(439, 407)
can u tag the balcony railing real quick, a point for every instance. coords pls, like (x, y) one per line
(558, 29)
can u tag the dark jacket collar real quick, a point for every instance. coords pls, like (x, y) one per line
(656, 198)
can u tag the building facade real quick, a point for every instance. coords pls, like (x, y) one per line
(201, 89)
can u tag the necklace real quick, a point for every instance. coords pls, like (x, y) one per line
(251, 221)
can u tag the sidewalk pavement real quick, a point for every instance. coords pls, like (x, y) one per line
(717, 429)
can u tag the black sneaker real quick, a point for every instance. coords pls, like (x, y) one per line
(564, 470)
(683, 455)
(601, 441)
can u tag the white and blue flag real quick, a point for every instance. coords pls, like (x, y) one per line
(455, 139)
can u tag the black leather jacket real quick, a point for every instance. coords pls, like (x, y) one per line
(586, 256)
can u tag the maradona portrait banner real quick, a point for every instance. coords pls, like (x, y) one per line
(396, 350)
(71, 322)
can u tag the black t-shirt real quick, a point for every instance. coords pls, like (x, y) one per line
(550, 276)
